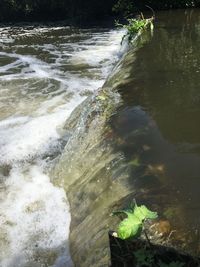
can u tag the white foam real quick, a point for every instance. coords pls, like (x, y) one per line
(37, 68)
(23, 138)
(34, 213)
(35, 217)
(104, 53)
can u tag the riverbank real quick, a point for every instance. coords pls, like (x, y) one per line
(75, 11)
(82, 12)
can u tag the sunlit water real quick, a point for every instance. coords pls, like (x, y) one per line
(45, 73)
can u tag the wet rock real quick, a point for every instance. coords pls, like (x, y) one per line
(162, 228)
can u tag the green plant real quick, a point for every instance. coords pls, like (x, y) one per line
(144, 257)
(135, 26)
(132, 226)
(125, 7)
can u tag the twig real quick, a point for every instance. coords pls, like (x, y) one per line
(169, 236)
(147, 238)
(151, 10)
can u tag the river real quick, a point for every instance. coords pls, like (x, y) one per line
(45, 72)
(158, 123)
(139, 137)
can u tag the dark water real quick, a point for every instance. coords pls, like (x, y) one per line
(158, 126)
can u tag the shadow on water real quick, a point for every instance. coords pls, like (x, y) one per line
(141, 143)
(157, 127)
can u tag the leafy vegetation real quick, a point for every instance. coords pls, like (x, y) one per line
(141, 254)
(81, 10)
(128, 7)
(146, 257)
(132, 226)
(135, 26)
(125, 7)
(143, 257)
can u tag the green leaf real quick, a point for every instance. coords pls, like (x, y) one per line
(132, 225)
(143, 213)
(135, 26)
(129, 227)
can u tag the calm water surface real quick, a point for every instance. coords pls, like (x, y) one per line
(158, 125)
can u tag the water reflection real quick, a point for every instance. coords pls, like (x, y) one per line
(158, 125)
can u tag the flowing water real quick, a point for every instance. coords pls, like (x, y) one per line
(45, 72)
(148, 149)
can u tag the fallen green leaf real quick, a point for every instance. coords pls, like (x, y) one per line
(131, 226)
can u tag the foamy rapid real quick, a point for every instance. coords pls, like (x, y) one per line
(45, 72)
